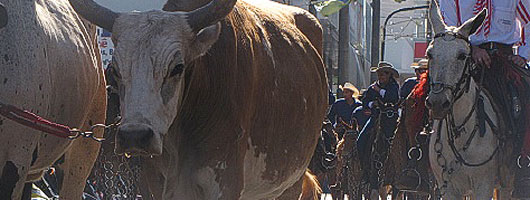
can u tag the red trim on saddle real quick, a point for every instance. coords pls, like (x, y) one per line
(34, 121)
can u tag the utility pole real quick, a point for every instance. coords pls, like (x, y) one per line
(376, 16)
(344, 43)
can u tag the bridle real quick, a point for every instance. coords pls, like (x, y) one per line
(458, 90)
(462, 86)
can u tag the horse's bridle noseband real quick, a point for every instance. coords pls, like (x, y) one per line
(457, 89)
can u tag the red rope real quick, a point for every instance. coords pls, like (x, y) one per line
(34, 121)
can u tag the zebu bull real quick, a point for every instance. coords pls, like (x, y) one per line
(49, 65)
(228, 97)
(464, 163)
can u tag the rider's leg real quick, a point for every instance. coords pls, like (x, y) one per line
(364, 135)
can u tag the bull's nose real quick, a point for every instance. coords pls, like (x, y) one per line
(134, 138)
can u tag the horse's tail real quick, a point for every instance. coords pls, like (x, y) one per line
(310, 188)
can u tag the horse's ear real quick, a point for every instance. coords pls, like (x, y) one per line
(435, 17)
(471, 25)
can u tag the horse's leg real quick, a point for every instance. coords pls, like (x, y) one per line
(82, 155)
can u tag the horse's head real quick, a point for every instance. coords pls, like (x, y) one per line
(327, 146)
(387, 119)
(448, 56)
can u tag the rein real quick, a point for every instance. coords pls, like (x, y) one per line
(36, 122)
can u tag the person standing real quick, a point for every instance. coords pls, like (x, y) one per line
(505, 27)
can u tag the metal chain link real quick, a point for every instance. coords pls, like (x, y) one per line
(116, 177)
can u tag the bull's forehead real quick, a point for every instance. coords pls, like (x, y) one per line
(153, 39)
(151, 30)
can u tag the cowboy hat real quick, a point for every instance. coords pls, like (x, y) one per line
(351, 87)
(422, 64)
(385, 66)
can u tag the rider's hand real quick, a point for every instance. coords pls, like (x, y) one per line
(480, 56)
(518, 60)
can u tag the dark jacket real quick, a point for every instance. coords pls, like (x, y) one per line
(407, 87)
(391, 93)
(361, 114)
(341, 109)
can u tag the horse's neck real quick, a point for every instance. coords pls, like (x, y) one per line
(464, 105)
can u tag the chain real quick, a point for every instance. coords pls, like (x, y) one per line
(441, 161)
(90, 133)
(116, 177)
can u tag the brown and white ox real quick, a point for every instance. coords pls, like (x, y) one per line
(49, 65)
(228, 98)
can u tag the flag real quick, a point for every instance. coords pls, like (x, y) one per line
(329, 7)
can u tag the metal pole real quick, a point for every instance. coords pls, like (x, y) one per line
(344, 43)
(388, 19)
(376, 14)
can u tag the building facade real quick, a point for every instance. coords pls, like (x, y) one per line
(358, 71)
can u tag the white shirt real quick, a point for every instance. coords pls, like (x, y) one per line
(507, 21)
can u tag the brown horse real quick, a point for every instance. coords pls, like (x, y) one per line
(407, 167)
(347, 177)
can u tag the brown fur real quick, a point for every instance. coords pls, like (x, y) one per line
(310, 188)
(397, 159)
(347, 182)
(235, 102)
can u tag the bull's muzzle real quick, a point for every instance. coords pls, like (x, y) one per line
(137, 139)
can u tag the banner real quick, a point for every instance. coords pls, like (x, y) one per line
(327, 8)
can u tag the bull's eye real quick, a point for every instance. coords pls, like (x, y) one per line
(177, 70)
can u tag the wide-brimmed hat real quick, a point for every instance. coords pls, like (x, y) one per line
(351, 87)
(422, 64)
(385, 66)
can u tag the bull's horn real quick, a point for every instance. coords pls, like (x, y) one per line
(93, 12)
(436, 19)
(210, 14)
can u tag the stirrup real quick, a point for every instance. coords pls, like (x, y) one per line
(519, 161)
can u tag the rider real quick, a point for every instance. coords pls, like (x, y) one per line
(492, 45)
(408, 85)
(361, 114)
(342, 109)
(385, 90)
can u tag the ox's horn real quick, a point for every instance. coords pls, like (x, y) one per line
(210, 14)
(436, 19)
(93, 12)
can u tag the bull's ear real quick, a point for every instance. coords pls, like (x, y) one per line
(204, 40)
(3, 16)
(471, 25)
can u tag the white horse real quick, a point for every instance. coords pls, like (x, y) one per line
(465, 163)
